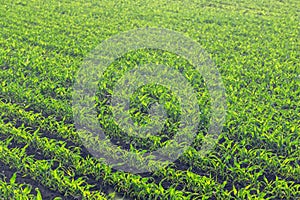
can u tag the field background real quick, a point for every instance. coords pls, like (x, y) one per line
(255, 46)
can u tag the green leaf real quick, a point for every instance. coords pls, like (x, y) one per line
(13, 178)
(38, 194)
(234, 190)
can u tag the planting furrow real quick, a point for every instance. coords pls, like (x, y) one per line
(33, 120)
(222, 166)
(58, 108)
(36, 121)
(126, 139)
(36, 102)
(253, 165)
(254, 46)
(41, 171)
(8, 173)
(219, 167)
(13, 190)
(132, 185)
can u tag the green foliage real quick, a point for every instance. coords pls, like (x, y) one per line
(13, 190)
(255, 46)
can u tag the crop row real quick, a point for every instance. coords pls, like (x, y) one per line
(218, 166)
(276, 188)
(254, 45)
(123, 182)
(30, 119)
(14, 190)
(286, 143)
(40, 101)
(49, 106)
(270, 160)
(40, 170)
(51, 126)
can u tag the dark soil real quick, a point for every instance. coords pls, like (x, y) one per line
(46, 193)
